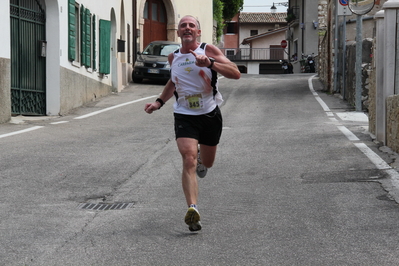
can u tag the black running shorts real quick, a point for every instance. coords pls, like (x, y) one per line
(206, 128)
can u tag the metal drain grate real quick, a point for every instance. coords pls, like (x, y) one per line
(105, 206)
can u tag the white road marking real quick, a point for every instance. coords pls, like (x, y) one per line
(20, 131)
(80, 117)
(60, 122)
(114, 107)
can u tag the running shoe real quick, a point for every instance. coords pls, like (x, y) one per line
(201, 169)
(192, 219)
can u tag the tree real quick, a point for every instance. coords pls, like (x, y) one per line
(231, 8)
(218, 17)
(224, 10)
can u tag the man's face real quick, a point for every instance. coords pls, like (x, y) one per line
(188, 30)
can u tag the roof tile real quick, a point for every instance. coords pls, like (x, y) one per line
(257, 17)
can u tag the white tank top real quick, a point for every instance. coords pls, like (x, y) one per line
(195, 87)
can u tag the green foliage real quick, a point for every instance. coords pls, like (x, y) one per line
(290, 15)
(231, 8)
(225, 10)
(218, 17)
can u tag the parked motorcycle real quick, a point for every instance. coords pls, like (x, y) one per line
(310, 62)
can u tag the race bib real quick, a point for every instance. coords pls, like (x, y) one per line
(194, 101)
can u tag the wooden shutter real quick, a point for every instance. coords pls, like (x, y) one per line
(94, 65)
(82, 35)
(105, 46)
(87, 36)
(71, 30)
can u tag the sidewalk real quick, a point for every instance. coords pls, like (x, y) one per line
(350, 122)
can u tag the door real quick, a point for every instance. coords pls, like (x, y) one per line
(154, 22)
(28, 57)
(276, 52)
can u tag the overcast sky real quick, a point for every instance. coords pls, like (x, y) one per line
(263, 5)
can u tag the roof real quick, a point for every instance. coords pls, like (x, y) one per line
(250, 39)
(255, 17)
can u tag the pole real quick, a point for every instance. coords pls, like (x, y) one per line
(344, 58)
(359, 44)
(336, 50)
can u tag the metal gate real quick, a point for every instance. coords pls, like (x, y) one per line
(28, 62)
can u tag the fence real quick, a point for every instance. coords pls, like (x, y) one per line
(248, 54)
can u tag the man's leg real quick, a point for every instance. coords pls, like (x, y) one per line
(188, 149)
(208, 155)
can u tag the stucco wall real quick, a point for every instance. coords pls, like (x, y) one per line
(76, 90)
(5, 90)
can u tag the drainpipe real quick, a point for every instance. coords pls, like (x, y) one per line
(380, 105)
(134, 40)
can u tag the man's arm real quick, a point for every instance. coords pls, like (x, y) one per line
(221, 65)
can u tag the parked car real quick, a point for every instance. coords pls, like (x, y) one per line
(153, 63)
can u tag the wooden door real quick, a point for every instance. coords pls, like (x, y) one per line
(154, 22)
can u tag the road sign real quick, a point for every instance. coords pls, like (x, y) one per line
(283, 44)
(343, 9)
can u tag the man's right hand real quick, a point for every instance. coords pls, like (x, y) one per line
(151, 107)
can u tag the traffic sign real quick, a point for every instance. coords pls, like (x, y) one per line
(343, 8)
(283, 44)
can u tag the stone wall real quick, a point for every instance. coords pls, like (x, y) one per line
(350, 75)
(5, 90)
(372, 96)
(393, 122)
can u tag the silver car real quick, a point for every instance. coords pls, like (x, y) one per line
(153, 63)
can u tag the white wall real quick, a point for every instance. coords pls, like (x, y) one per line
(5, 49)
(203, 11)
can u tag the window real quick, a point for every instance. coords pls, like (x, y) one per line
(231, 28)
(253, 32)
(146, 10)
(154, 11)
(81, 35)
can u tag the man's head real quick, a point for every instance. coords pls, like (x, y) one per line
(189, 29)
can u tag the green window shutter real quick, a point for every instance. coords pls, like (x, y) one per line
(105, 46)
(94, 42)
(88, 38)
(71, 30)
(82, 36)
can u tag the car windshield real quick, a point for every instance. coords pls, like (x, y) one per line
(160, 49)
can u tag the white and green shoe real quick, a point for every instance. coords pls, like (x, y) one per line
(192, 219)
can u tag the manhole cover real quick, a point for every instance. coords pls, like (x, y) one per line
(105, 206)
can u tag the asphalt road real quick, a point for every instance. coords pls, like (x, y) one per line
(297, 181)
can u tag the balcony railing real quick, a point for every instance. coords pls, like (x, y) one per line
(249, 54)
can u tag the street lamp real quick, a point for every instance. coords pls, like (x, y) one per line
(273, 9)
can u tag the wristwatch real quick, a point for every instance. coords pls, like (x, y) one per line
(212, 61)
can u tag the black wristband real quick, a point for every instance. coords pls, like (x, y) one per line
(160, 101)
(212, 61)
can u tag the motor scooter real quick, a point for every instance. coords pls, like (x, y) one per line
(310, 64)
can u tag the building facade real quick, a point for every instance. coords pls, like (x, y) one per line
(57, 55)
